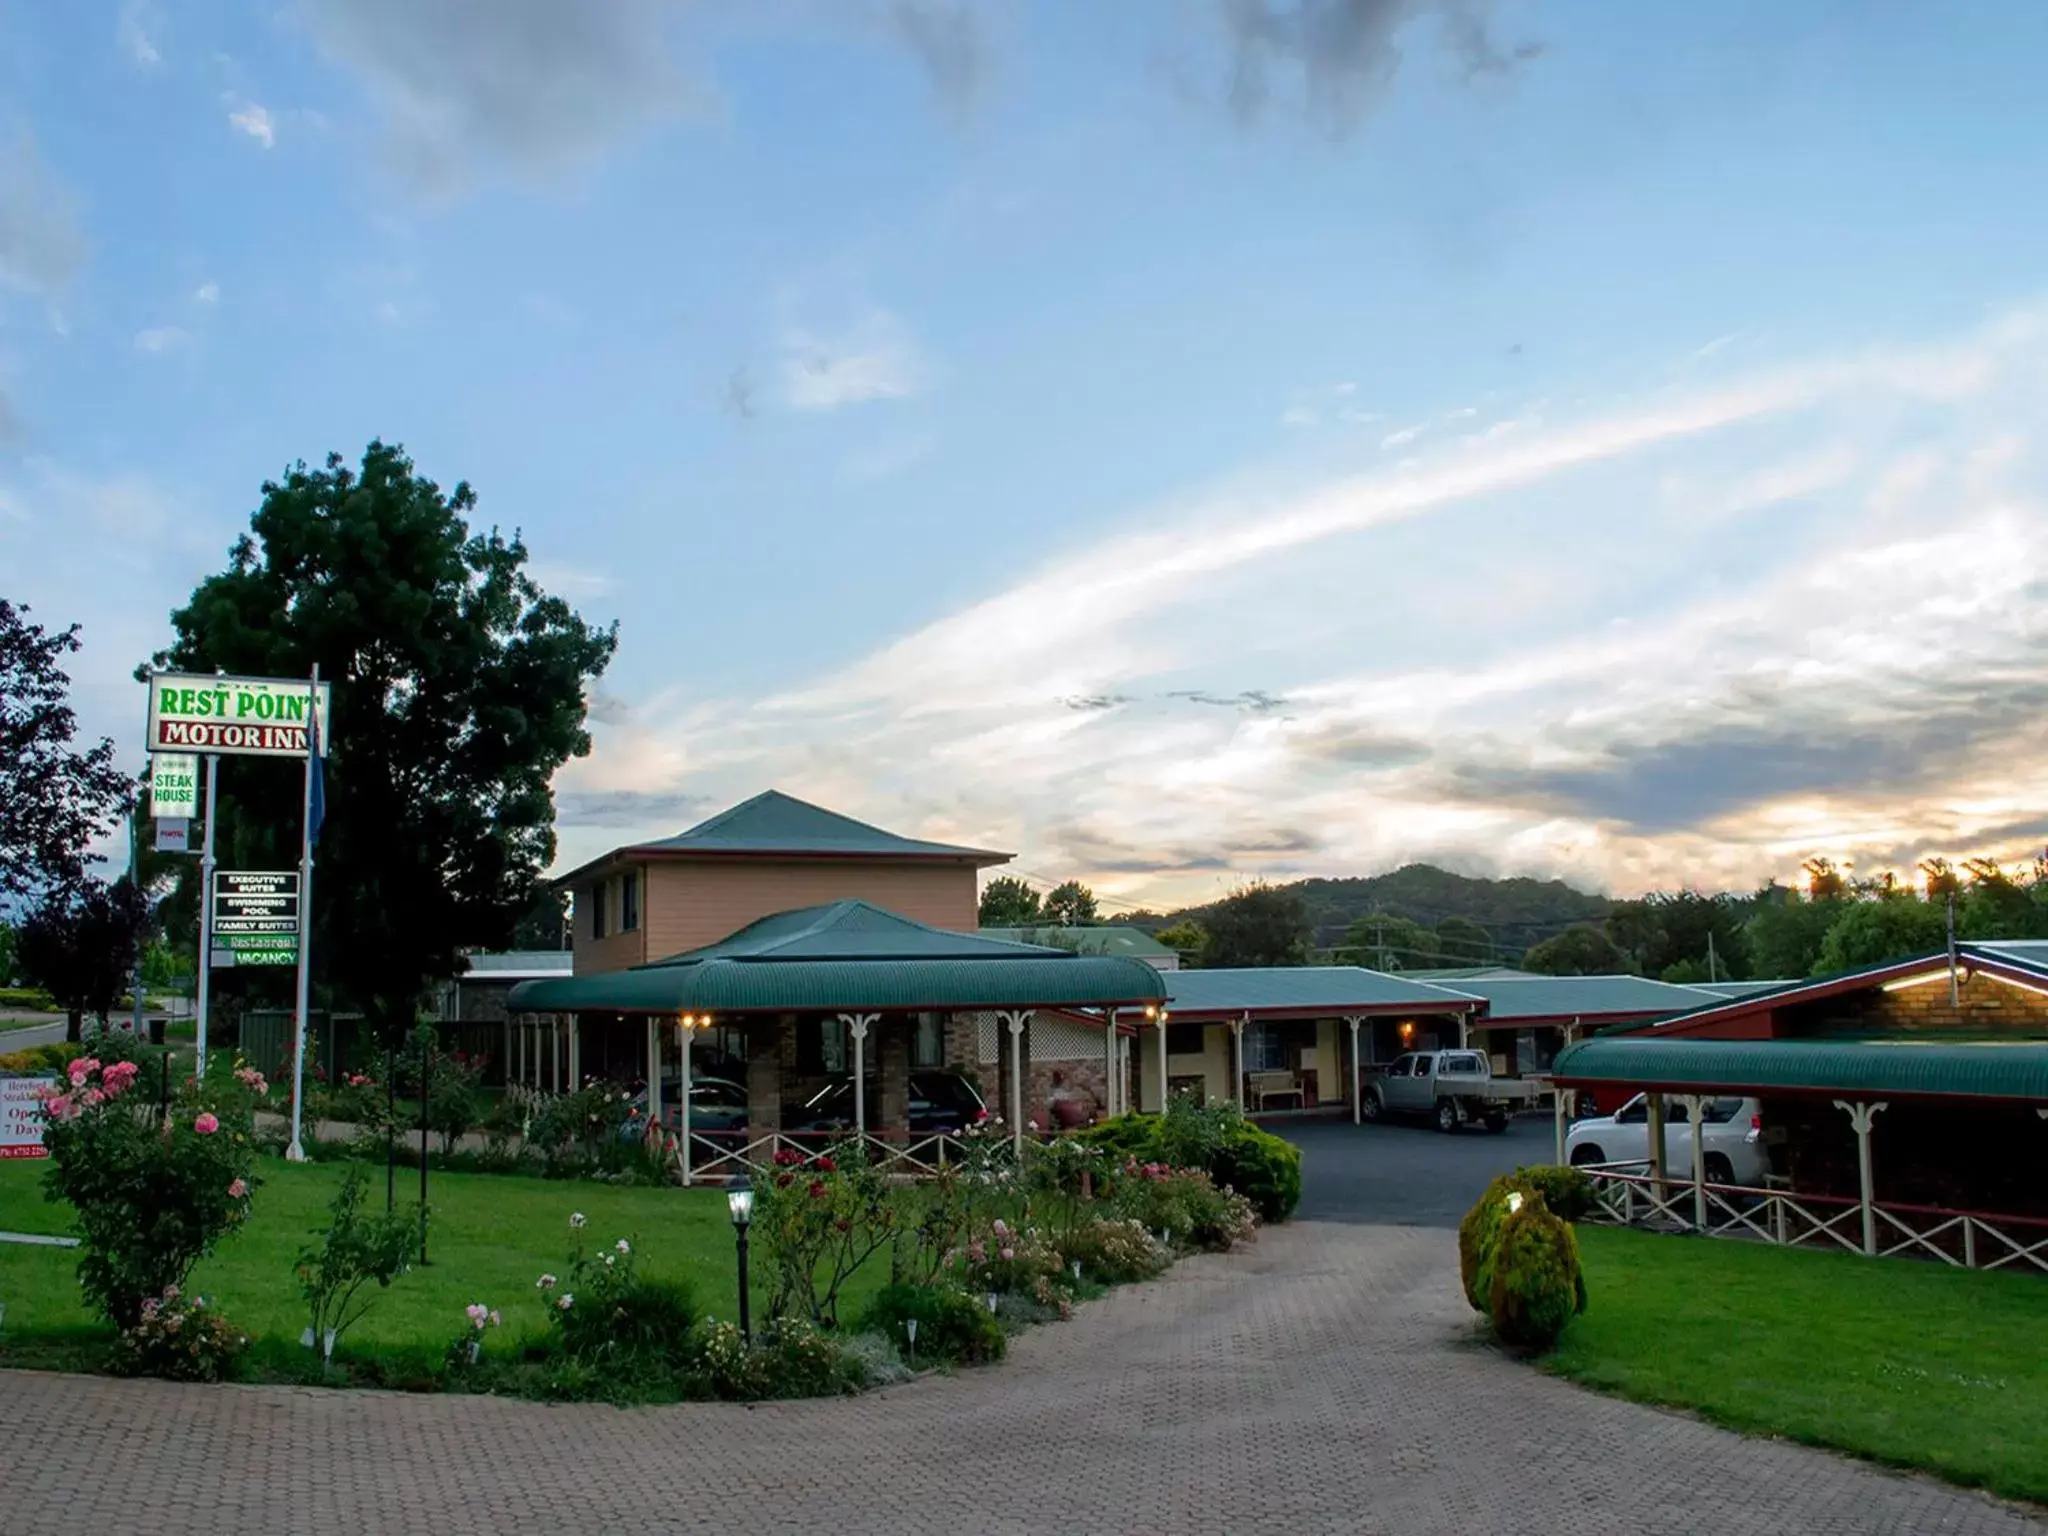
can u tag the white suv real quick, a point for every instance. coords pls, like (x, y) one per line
(1732, 1142)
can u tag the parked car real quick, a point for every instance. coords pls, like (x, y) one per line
(1451, 1088)
(1731, 1143)
(940, 1102)
(718, 1111)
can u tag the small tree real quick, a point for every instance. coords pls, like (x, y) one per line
(1007, 902)
(1186, 938)
(355, 1251)
(80, 945)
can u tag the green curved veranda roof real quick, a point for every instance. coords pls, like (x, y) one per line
(850, 956)
(2016, 1069)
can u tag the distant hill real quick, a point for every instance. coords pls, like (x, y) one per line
(1516, 913)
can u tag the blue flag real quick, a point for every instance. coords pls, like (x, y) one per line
(316, 779)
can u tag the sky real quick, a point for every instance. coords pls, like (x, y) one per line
(1180, 442)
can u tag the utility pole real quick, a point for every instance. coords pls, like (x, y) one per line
(1712, 975)
(1954, 982)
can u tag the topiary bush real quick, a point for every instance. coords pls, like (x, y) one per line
(1535, 1287)
(1479, 1237)
(951, 1325)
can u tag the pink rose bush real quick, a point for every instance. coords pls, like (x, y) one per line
(156, 1185)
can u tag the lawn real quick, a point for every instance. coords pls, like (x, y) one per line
(1912, 1364)
(489, 1238)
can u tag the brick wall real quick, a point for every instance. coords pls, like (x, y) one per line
(1986, 1006)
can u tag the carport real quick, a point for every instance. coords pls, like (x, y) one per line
(1969, 1121)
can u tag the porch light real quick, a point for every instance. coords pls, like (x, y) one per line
(1407, 1029)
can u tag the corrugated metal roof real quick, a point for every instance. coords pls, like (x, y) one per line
(773, 822)
(1527, 998)
(1108, 939)
(882, 984)
(1318, 990)
(1455, 973)
(850, 955)
(1740, 988)
(1900, 1066)
(519, 962)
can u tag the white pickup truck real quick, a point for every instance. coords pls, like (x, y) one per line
(1453, 1088)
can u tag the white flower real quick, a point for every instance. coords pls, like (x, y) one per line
(575, 1220)
(566, 1302)
(608, 1261)
(544, 1283)
(623, 1246)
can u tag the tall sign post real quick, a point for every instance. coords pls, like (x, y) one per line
(316, 810)
(191, 713)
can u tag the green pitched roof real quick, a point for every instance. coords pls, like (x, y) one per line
(1898, 1066)
(773, 822)
(1523, 999)
(1108, 939)
(1306, 991)
(850, 955)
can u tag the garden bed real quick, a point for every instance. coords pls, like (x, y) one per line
(1912, 1365)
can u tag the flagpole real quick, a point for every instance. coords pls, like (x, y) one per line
(296, 1152)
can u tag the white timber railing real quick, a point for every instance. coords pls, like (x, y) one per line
(1632, 1195)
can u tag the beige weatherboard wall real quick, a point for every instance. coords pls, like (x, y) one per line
(770, 854)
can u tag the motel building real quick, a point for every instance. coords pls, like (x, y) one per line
(780, 949)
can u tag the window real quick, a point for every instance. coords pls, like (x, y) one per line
(597, 909)
(1635, 1112)
(824, 1046)
(1459, 1062)
(1184, 1039)
(629, 901)
(1275, 1047)
(1721, 1111)
(928, 1041)
(1404, 1066)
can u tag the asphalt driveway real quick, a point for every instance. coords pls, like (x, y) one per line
(1406, 1175)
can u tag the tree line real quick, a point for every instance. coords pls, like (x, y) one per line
(1829, 922)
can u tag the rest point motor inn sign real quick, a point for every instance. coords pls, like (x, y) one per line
(250, 716)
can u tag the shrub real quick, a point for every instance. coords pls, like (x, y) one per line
(799, 1361)
(951, 1325)
(155, 1192)
(729, 1368)
(355, 1250)
(179, 1340)
(605, 1313)
(468, 1345)
(1115, 1251)
(41, 1058)
(818, 1220)
(1007, 1262)
(1479, 1237)
(1536, 1286)
(1185, 1205)
(1215, 1138)
(1262, 1167)
(1567, 1191)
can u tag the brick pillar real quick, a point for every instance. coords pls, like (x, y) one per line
(890, 1042)
(764, 1077)
(961, 1051)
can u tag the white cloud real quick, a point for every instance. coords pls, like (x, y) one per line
(254, 119)
(207, 293)
(567, 581)
(132, 33)
(1681, 696)
(1402, 437)
(873, 359)
(161, 338)
(41, 248)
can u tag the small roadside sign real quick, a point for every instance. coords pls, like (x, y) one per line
(173, 834)
(21, 1115)
(173, 785)
(256, 915)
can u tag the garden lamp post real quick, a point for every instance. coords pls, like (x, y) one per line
(741, 1203)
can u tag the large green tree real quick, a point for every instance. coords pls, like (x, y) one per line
(1786, 930)
(55, 800)
(80, 945)
(1072, 904)
(459, 690)
(1259, 925)
(1384, 941)
(1581, 950)
(1888, 928)
(1007, 902)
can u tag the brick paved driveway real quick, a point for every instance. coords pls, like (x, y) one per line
(1326, 1381)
